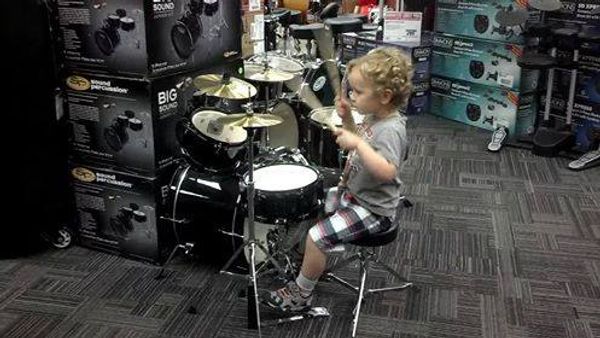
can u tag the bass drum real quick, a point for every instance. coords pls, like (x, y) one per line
(207, 209)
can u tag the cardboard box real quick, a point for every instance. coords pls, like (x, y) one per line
(129, 124)
(583, 110)
(477, 19)
(356, 45)
(136, 38)
(485, 62)
(120, 213)
(483, 106)
(420, 98)
(576, 12)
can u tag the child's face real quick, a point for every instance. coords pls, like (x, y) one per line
(363, 97)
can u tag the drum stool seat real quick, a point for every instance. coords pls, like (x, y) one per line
(305, 32)
(344, 24)
(367, 258)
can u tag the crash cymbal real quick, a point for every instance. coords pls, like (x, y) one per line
(260, 73)
(224, 86)
(245, 120)
(545, 5)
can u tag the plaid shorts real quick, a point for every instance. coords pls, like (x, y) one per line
(349, 222)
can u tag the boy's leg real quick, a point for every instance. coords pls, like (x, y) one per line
(314, 260)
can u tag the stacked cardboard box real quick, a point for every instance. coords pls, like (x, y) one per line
(128, 79)
(475, 76)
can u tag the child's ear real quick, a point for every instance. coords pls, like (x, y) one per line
(386, 97)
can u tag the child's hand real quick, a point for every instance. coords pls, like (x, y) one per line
(342, 106)
(347, 140)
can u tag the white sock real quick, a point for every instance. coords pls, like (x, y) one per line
(306, 285)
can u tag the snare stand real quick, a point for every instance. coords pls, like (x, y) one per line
(253, 310)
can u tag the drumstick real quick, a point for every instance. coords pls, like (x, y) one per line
(324, 40)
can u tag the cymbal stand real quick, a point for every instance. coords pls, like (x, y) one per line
(253, 310)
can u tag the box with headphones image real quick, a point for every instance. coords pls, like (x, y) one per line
(129, 124)
(484, 62)
(355, 45)
(483, 106)
(120, 213)
(577, 12)
(136, 38)
(483, 19)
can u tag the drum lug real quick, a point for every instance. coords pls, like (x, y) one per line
(178, 221)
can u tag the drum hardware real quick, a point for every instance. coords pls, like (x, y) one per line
(250, 122)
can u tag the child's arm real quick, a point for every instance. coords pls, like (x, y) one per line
(376, 164)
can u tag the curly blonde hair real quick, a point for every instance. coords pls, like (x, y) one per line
(388, 68)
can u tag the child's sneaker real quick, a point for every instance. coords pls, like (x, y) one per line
(498, 138)
(288, 299)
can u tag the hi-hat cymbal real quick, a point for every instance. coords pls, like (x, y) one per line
(545, 5)
(224, 87)
(260, 73)
(245, 120)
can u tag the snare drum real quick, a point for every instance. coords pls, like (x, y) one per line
(210, 145)
(286, 193)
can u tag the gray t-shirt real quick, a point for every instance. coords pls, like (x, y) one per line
(388, 138)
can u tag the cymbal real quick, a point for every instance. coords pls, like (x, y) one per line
(245, 120)
(224, 87)
(545, 5)
(327, 116)
(260, 73)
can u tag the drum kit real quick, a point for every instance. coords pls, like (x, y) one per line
(245, 189)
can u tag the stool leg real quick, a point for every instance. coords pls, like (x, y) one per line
(364, 267)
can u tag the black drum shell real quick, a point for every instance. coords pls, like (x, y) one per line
(206, 152)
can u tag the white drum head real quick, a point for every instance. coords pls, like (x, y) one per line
(205, 121)
(283, 177)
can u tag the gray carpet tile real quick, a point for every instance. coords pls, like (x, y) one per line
(501, 245)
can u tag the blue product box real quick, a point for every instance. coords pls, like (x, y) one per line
(483, 106)
(481, 61)
(356, 45)
(477, 18)
(420, 99)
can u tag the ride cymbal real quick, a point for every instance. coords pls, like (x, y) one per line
(224, 87)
